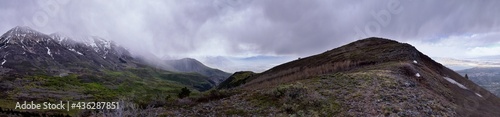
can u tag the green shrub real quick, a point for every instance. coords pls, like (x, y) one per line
(184, 93)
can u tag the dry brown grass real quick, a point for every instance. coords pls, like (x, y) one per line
(298, 73)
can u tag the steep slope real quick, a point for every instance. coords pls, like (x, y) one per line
(193, 65)
(486, 77)
(368, 77)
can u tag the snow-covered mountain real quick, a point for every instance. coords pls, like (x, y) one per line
(26, 51)
(38, 67)
(98, 44)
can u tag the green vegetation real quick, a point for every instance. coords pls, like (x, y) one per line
(184, 93)
(297, 99)
(236, 79)
(144, 86)
(194, 80)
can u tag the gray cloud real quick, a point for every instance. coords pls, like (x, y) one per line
(253, 27)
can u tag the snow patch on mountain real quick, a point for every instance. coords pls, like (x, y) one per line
(8, 40)
(75, 51)
(4, 61)
(8, 37)
(91, 42)
(455, 82)
(59, 37)
(105, 53)
(479, 95)
(48, 52)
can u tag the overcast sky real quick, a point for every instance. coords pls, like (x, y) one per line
(256, 34)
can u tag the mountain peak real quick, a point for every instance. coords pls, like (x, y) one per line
(190, 60)
(22, 30)
(193, 65)
(19, 34)
(186, 64)
(375, 42)
(378, 49)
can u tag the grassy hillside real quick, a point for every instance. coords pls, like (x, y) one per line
(142, 86)
(369, 77)
(236, 79)
(377, 90)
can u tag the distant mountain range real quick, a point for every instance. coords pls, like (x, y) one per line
(458, 64)
(187, 65)
(484, 71)
(486, 77)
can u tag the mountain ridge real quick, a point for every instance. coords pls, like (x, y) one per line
(368, 77)
(193, 65)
